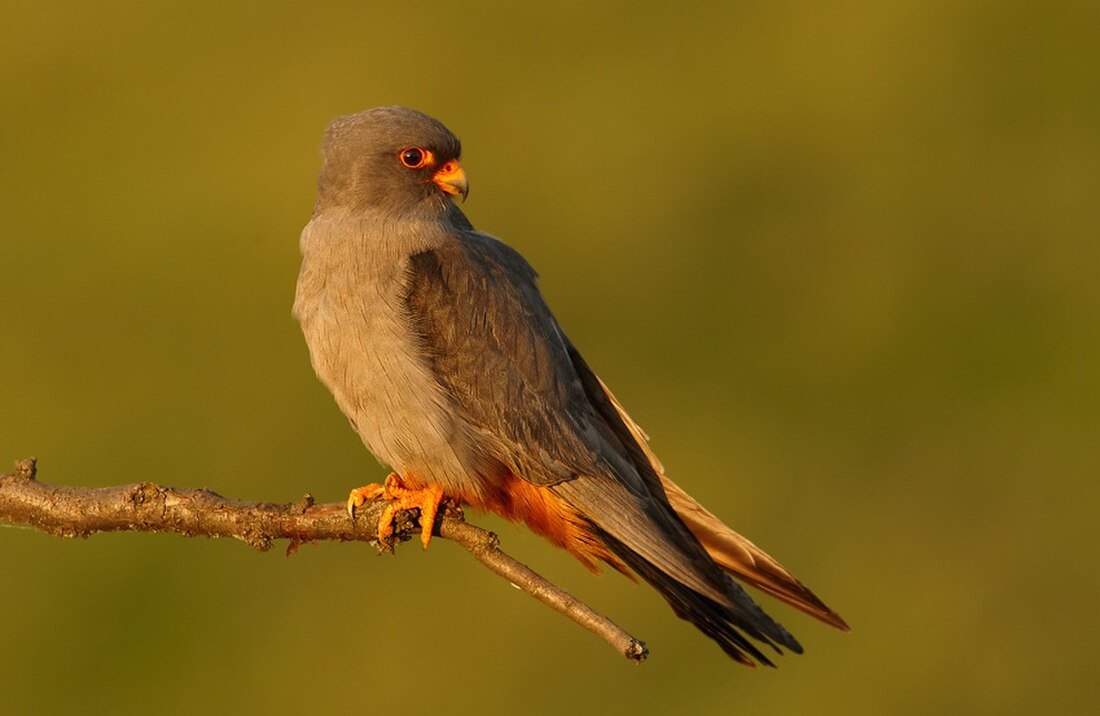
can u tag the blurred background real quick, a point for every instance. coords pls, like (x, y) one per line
(839, 259)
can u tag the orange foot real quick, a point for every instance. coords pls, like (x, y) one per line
(427, 499)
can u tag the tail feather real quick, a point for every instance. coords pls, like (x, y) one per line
(735, 554)
(651, 539)
(728, 553)
(717, 621)
(743, 559)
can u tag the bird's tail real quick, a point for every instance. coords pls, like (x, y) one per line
(741, 558)
(696, 578)
(718, 621)
(735, 554)
(645, 534)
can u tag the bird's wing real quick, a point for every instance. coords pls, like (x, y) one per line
(494, 347)
(513, 379)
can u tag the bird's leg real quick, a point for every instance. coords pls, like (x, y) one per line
(425, 499)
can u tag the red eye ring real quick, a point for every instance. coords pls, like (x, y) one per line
(415, 157)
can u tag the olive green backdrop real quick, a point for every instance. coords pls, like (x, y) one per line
(839, 259)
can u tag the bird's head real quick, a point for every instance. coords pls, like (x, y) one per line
(390, 158)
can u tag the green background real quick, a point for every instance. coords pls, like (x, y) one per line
(839, 259)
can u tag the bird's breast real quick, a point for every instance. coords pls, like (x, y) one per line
(351, 308)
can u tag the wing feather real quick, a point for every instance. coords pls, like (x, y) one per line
(494, 347)
(523, 394)
(498, 353)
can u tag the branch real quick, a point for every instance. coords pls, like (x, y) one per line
(146, 507)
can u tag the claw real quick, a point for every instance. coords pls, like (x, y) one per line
(426, 499)
(360, 495)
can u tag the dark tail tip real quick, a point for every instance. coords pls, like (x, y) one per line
(721, 623)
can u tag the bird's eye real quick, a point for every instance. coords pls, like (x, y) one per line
(415, 157)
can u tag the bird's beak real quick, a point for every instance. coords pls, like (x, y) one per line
(451, 178)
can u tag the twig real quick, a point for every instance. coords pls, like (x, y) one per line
(147, 507)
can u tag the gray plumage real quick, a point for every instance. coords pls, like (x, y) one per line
(439, 348)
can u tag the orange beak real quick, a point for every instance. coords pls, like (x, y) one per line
(451, 178)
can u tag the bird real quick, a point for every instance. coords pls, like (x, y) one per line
(437, 344)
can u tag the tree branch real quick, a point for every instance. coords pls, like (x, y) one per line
(147, 507)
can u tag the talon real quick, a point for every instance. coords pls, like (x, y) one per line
(426, 499)
(360, 495)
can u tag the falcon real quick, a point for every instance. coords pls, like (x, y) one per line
(439, 348)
